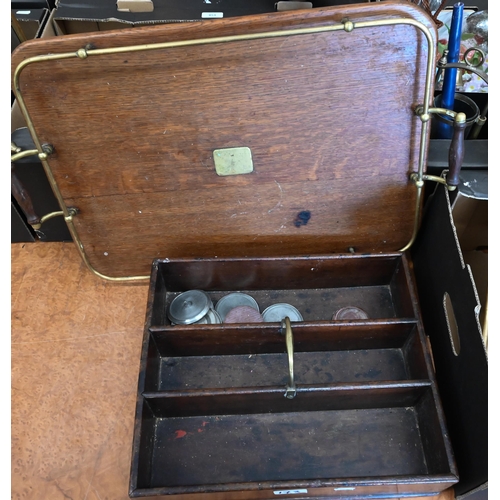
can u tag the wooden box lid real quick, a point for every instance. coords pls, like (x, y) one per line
(320, 104)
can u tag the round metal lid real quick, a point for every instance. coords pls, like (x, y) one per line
(211, 318)
(232, 300)
(189, 307)
(350, 312)
(278, 312)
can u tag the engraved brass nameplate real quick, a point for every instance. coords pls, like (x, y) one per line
(233, 161)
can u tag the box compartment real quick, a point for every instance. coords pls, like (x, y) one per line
(257, 439)
(317, 286)
(202, 360)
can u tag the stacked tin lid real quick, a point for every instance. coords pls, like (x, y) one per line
(277, 312)
(197, 307)
(238, 307)
(193, 307)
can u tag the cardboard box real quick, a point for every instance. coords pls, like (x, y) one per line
(32, 4)
(470, 214)
(29, 22)
(99, 15)
(450, 261)
(19, 230)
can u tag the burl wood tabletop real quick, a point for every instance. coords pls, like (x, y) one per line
(76, 344)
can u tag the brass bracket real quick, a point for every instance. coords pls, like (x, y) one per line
(71, 213)
(68, 218)
(17, 153)
(36, 223)
(426, 116)
(419, 182)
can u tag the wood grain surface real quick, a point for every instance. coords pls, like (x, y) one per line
(76, 344)
(75, 359)
(328, 118)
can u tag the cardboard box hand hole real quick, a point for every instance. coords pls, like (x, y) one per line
(451, 323)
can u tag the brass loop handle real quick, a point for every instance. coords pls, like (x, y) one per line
(468, 67)
(474, 50)
(291, 390)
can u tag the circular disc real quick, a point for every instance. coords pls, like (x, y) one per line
(189, 307)
(228, 302)
(212, 317)
(278, 312)
(350, 312)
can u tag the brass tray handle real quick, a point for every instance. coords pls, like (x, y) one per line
(456, 151)
(286, 327)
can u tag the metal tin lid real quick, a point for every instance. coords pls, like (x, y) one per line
(243, 314)
(350, 312)
(211, 318)
(277, 312)
(189, 307)
(232, 300)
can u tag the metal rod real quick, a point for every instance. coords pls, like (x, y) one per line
(23, 154)
(466, 67)
(479, 124)
(291, 390)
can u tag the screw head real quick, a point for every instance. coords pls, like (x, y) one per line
(47, 149)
